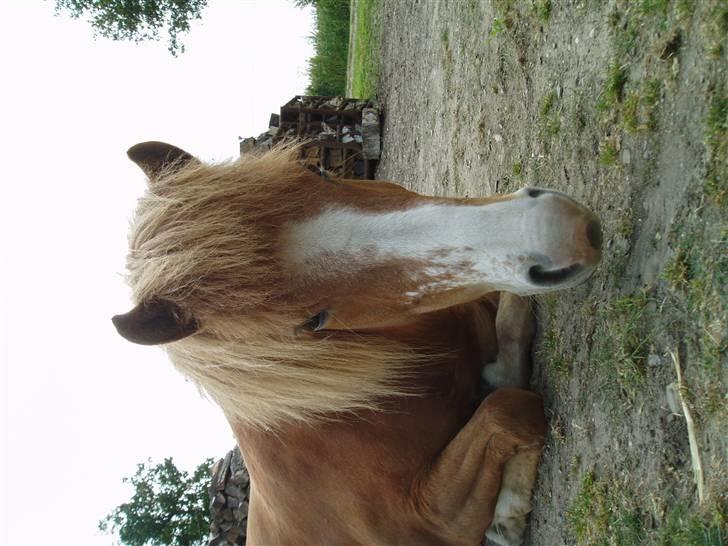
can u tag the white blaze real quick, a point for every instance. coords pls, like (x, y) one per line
(470, 245)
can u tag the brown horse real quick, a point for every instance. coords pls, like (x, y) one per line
(343, 327)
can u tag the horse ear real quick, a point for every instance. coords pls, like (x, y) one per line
(152, 157)
(154, 322)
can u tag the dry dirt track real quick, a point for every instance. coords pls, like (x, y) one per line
(622, 105)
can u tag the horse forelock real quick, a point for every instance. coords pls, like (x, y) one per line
(204, 237)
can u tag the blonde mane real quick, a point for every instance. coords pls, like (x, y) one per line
(204, 237)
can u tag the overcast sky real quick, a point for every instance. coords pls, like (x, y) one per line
(80, 406)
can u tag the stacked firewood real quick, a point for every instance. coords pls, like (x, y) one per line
(342, 135)
(229, 496)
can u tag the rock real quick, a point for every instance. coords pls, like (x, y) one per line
(653, 360)
(372, 145)
(673, 399)
(229, 496)
(232, 490)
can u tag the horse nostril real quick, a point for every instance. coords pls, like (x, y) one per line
(552, 277)
(594, 234)
(532, 192)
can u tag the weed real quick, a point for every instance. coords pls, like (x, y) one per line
(639, 109)
(614, 85)
(553, 354)
(630, 113)
(547, 103)
(717, 22)
(608, 154)
(542, 9)
(677, 271)
(685, 9)
(653, 7)
(549, 118)
(517, 168)
(498, 26)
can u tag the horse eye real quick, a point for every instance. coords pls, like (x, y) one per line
(315, 323)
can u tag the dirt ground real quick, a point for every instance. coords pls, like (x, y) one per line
(622, 105)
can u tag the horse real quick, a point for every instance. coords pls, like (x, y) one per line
(369, 346)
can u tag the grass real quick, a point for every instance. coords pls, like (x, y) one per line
(716, 141)
(626, 330)
(542, 9)
(604, 512)
(364, 54)
(706, 527)
(498, 26)
(639, 109)
(327, 68)
(613, 86)
(608, 154)
(601, 513)
(549, 118)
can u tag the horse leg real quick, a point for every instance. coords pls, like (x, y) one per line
(515, 328)
(458, 495)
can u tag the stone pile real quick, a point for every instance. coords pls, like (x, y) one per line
(229, 496)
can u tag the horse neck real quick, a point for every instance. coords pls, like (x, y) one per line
(338, 452)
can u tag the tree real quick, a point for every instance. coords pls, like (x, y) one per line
(169, 507)
(137, 20)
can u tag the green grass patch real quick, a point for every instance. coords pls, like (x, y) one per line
(606, 512)
(705, 527)
(608, 154)
(613, 86)
(601, 514)
(621, 348)
(365, 55)
(549, 118)
(327, 68)
(498, 26)
(716, 141)
(639, 109)
(542, 9)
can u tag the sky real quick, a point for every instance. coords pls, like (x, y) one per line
(80, 405)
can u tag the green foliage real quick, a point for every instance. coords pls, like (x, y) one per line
(169, 507)
(136, 20)
(327, 68)
(364, 57)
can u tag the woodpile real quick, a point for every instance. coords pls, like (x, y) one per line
(342, 135)
(229, 497)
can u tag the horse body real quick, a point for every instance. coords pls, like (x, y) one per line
(343, 328)
(353, 481)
